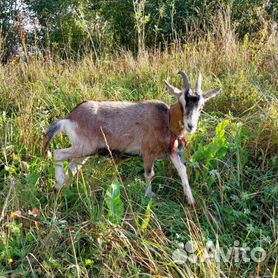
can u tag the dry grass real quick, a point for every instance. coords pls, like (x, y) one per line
(71, 236)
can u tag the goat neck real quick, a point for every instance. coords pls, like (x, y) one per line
(176, 119)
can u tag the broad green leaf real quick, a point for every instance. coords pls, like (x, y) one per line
(114, 203)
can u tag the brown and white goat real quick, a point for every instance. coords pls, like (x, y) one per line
(150, 129)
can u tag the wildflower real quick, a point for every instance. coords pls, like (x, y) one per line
(34, 212)
(15, 214)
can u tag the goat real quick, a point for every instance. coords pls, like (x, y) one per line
(150, 128)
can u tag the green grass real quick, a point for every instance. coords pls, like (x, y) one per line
(85, 231)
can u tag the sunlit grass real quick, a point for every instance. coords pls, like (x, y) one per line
(235, 182)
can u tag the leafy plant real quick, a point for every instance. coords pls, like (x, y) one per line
(210, 154)
(114, 203)
(238, 159)
(147, 217)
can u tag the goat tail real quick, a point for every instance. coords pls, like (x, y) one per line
(52, 131)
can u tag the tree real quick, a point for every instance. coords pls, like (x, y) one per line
(9, 12)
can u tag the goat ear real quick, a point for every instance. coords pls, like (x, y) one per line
(212, 93)
(173, 90)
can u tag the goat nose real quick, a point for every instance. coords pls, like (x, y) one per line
(190, 126)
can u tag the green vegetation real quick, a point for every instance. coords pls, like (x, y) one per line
(69, 27)
(102, 225)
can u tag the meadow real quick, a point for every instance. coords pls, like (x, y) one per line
(101, 225)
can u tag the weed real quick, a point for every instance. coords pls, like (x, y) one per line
(97, 227)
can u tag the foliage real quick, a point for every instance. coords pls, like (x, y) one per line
(9, 32)
(147, 217)
(114, 203)
(99, 228)
(72, 26)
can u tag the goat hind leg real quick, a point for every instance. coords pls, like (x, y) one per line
(76, 164)
(60, 156)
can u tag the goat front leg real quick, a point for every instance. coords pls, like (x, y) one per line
(149, 174)
(183, 175)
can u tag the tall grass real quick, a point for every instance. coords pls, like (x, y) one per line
(232, 164)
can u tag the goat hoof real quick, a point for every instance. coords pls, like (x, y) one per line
(57, 189)
(191, 202)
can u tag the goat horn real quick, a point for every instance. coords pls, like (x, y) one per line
(185, 81)
(199, 84)
(173, 90)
